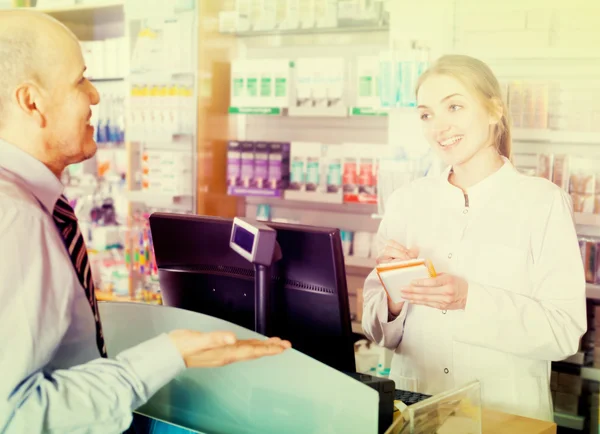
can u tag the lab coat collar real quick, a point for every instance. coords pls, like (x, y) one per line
(481, 191)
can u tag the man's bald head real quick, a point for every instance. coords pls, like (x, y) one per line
(28, 44)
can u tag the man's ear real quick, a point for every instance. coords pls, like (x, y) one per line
(497, 111)
(29, 97)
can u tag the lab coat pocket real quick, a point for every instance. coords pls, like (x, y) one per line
(499, 266)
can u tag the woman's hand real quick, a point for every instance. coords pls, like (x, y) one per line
(444, 292)
(394, 251)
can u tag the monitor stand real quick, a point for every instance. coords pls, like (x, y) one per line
(262, 299)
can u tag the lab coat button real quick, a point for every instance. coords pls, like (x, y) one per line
(465, 211)
(444, 312)
(446, 371)
(449, 255)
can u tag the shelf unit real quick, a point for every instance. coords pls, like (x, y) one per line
(83, 11)
(311, 31)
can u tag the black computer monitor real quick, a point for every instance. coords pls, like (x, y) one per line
(198, 271)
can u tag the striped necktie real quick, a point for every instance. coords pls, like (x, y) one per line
(65, 219)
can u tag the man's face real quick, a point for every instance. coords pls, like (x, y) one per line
(68, 135)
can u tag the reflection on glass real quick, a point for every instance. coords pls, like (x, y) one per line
(289, 393)
(455, 411)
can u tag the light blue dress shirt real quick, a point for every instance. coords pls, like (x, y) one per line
(53, 379)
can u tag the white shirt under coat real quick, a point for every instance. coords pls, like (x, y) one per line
(516, 245)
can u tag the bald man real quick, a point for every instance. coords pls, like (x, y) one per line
(55, 376)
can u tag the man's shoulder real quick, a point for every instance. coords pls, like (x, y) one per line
(18, 201)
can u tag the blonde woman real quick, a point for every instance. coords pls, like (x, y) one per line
(510, 297)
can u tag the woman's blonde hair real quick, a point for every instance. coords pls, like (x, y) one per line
(478, 77)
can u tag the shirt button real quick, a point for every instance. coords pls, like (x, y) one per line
(465, 211)
(449, 255)
(446, 370)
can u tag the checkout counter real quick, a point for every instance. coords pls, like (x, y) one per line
(290, 393)
(259, 280)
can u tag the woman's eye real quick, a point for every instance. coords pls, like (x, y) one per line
(425, 116)
(455, 107)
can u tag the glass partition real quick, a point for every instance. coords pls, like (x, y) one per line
(289, 393)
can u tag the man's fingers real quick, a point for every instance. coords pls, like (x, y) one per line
(279, 341)
(239, 352)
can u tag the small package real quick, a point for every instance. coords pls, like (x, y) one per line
(583, 203)
(396, 276)
(545, 166)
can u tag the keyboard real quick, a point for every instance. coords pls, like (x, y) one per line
(409, 398)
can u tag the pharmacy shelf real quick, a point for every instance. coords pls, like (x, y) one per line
(85, 7)
(529, 54)
(587, 219)
(556, 136)
(593, 292)
(157, 200)
(346, 208)
(309, 31)
(354, 261)
(368, 111)
(258, 111)
(106, 79)
(310, 112)
(569, 421)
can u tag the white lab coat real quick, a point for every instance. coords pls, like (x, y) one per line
(517, 247)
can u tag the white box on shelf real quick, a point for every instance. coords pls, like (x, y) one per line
(326, 13)
(319, 87)
(291, 15)
(307, 14)
(367, 82)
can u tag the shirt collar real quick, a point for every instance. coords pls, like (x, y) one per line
(484, 189)
(36, 177)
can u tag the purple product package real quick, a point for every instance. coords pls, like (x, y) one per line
(234, 160)
(597, 263)
(261, 165)
(279, 166)
(247, 164)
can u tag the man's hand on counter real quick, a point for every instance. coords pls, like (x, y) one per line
(209, 350)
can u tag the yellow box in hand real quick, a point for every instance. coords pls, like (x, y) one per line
(395, 276)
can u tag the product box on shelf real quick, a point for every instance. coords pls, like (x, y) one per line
(367, 82)
(584, 176)
(529, 103)
(247, 164)
(360, 166)
(105, 59)
(167, 172)
(578, 176)
(590, 254)
(319, 87)
(257, 168)
(234, 163)
(315, 173)
(259, 86)
(399, 71)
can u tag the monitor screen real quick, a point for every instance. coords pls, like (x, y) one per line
(198, 271)
(243, 238)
